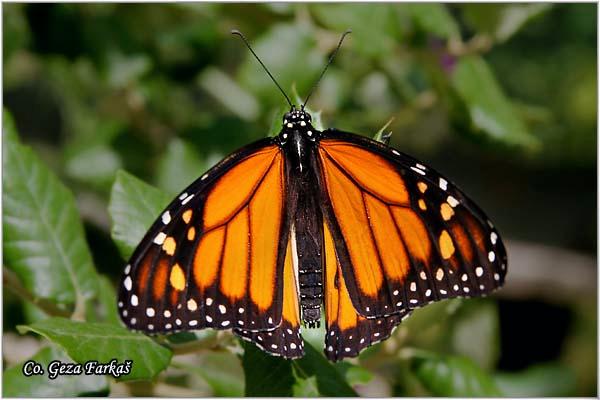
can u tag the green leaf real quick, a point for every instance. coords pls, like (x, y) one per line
(452, 376)
(475, 332)
(108, 311)
(179, 167)
(273, 376)
(95, 165)
(16, 384)
(222, 371)
(542, 380)
(381, 135)
(133, 207)
(306, 387)
(291, 55)
(229, 93)
(361, 18)
(85, 341)
(502, 21)
(433, 18)
(44, 241)
(16, 29)
(489, 109)
(329, 380)
(266, 375)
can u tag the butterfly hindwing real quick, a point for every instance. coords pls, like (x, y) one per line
(285, 340)
(215, 256)
(348, 332)
(404, 235)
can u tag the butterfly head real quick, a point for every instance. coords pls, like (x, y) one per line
(297, 120)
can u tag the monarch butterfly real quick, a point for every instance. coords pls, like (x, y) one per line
(309, 218)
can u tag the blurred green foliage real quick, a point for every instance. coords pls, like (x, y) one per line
(163, 92)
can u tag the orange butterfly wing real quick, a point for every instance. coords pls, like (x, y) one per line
(347, 331)
(404, 236)
(215, 257)
(285, 340)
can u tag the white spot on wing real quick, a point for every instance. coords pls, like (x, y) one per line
(187, 199)
(417, 170)
(127, 283)
(479, 271)
(443, 184)
(493, 237)
(166, 217)
(160, 238)
(134, 300)
(491, 256)
(452, 201)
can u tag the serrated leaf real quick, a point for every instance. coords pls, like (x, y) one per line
(16, 384)
(102, 342)
(133, 207)
(489, 109)
(451, 376)
(433, 18)
(179, 166)
(44, 241)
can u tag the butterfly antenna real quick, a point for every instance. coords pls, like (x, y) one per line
(327, 66)
(241, 35)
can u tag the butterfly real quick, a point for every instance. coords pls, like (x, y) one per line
(304, 221)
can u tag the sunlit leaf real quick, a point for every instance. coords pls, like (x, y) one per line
(542, 380)
(16, 384)
(433, 18)
(133, 207)
(451, 376)
(44, 241)
(85, 341)
(490, 111)
(179, 166)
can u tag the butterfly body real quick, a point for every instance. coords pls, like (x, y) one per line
(298, 140)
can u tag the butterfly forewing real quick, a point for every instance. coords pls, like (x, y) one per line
(215, 256)
(404, 235)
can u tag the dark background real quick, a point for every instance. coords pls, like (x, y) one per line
(164, 91)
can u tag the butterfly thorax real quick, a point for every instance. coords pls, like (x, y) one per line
(298, 140)
(298, 121)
